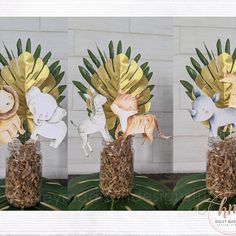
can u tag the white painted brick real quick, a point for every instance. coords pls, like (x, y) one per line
(176, 95)
(71, 42)
(85, 168)
(190, 149)
(151, 47)
(162, 151)
(192, 38)
(73, 70)
(189, 167)
(179, 67)
(163, 99)
(53, 24)
(176, 40)
(151, 25)
(185, 126)
(142, 153)
(114, 24)
(162, 72)
(19, 23)
(217, 22)
(56, 42)
(70, 97)
(150, 168)
(76, 154)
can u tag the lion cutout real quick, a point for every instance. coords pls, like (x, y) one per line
(10, 124)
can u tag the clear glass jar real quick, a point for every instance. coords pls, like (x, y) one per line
(117, 169)
(221, 167)
(23, 174)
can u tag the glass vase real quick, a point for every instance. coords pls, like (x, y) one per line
(221, 167)
(23, 174)
(116, 169)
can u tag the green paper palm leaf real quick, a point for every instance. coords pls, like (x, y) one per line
(147, 194)
(190, 193)
(53, 197)
(114, 74)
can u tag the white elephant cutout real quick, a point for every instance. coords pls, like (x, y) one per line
(47, 116)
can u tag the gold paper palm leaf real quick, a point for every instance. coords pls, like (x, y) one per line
(29, 70)
(208, 77)
(115, 74)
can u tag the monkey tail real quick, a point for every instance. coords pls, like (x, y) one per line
(159, 131)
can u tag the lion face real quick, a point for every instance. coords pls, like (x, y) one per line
(6, 101)
(9, 102)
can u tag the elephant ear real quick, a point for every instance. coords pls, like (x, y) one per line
(28, 69)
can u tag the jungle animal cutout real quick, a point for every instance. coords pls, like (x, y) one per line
(204, 109)
(95, 123)
(231, 78)
(125, 107)
(47, 116)
(10, 124)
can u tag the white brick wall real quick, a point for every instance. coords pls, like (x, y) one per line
(51, 33)
(190, 138)
(153, 38)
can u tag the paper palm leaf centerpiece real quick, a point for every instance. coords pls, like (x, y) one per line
(209, 77)
(117, 74)
(27, 70)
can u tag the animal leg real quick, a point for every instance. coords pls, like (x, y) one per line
(159, 131)
(34, 135)
(84, 138)
(58, 140)
(105, 135)
(5, 137)
(18, 125)
(88, 144)
(144, 138)
(150, 136)
(118, 129)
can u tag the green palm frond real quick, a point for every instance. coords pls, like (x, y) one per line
(190, 193)
(147, 194)
(116, 73)
(53, 197)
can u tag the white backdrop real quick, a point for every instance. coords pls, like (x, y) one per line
(51, 33)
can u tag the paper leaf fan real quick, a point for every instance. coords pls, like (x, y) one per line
(27, 70)
(114, 74)
(208, 76)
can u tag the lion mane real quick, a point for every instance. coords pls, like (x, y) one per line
(13, 111)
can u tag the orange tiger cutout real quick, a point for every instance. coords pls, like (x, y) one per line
(126, 102)
(141, 124)
(125, 106)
